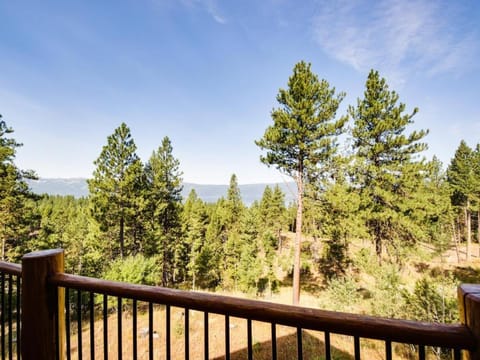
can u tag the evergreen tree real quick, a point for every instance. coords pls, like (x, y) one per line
(213, 253)
(302, 140)
(194, 227)
(65, 224)
(249, 268)
(272, 212)
(234, 211)
(115, 191)
(16, 205)
(437, 211)
(388, 173)
(234, 204)
(163, 207)
(462, 179)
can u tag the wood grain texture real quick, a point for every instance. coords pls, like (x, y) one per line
(42, 306)
(403, 331)
(469, 307)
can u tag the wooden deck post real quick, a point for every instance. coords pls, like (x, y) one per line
(469, 306)
(42, 306)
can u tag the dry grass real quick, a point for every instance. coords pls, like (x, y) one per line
(313, 342)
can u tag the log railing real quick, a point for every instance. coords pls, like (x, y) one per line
(47, 322)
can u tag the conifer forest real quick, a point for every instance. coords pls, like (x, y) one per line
(371, 230)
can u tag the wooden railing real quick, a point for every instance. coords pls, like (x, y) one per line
(47, 326)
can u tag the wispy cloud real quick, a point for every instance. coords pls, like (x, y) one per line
(397, 36)
(210, 6)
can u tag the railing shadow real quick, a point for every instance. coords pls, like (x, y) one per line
(313, 349)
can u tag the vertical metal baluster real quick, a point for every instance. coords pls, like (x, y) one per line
(92, 327)
(19, 286)
(227, 337)
(79, 324)
(249, 339)
(421, 352)
(299, 344)
(388, 350)
(274, 341)
(150, 331)
(356, 345)
(187, 334)
(67, 321)
(105, 326)
(10, 324)
(457, 354)
(119, 327)
(328, 355)
(3, 315)
(167, 336)
(205, 335)
(134, 326)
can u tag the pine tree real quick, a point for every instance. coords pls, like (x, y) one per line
(16, 199)
(302, 139)
(163, 207)
(388, 172)
(115, 192)
(194, 228)
(249, 267)
(234, 211)
(462, 179)
(213, 255)
(437, 211)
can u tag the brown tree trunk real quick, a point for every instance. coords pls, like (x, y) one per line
(122, 236)
(468, 226)
(298, 240)
(455, 239)
(378, 242)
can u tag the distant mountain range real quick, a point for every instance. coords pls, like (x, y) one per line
(78, 187)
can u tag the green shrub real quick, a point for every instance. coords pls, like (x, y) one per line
(136, 270)
(432, 300)
(341, 294)
(386, 297)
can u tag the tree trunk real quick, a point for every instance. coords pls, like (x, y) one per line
(455, 239)
(122, 235)
(280, 240)
(378, 242)
(298, 241)
(468, 226)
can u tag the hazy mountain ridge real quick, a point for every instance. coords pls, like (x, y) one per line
(78, 187)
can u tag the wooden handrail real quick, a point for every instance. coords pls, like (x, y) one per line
(10, 268)
(402, 331)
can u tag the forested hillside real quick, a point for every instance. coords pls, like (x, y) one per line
(369, 212)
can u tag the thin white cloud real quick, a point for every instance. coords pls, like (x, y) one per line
(210, 6)
(397, 36)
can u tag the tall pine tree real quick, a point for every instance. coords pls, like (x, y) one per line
(115, 192)
(234, 211)
(462, 179)
(302, 140)
(194, 228)
(388, 173)
(15, 198)
(163, 206)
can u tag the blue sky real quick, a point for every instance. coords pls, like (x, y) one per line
(205, 73)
